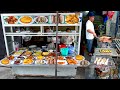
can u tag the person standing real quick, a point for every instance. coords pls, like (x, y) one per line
(47, 39)
(68, 40)
(90, 32)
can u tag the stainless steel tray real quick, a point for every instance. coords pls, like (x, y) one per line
(113, 53)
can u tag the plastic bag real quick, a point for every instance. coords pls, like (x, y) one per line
(70, 49)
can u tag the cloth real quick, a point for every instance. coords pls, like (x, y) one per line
(110, 14)
(104, 13)
(89, 45)
(51, 46)
(53, 39)
(49, 39)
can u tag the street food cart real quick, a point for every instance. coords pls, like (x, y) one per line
(28, 64)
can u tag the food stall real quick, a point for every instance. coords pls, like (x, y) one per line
(37, 61)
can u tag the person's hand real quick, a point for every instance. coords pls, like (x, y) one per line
(94, 34)
(71, 39)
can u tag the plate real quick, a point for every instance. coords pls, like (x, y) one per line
(61, 58)
(13, 62)
(5, 64)
(41, 19)
(26, 20)
(72, 61)
(41, 62)
(11, 19)
(82, 59)
(27, 63)
(69, 57)
(59, 62)
(84, 65)
(41, 58)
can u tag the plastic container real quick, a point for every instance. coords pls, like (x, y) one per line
(62, 46)
(32, 47)
(64, 51)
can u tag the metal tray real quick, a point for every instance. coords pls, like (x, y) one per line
(113, 53)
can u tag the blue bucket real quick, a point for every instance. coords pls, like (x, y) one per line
(64, 51)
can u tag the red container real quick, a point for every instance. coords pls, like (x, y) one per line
(62, 46)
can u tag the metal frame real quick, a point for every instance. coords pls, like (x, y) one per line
(41, 27)
(41, 33)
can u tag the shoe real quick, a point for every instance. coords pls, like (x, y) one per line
(90, 54)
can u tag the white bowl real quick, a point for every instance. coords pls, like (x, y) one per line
(50, 50)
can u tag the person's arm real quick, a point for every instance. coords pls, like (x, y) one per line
(90, 31)
(72, 38)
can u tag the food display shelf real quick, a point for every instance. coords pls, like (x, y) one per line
(113, 52)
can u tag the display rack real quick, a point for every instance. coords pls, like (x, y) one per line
(9, 35)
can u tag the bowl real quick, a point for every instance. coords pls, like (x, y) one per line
(50, 50)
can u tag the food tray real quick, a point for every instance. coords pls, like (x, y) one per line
(37, 53)
(18, 53)
(111, 63)
(113, 52)
(25, 55)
